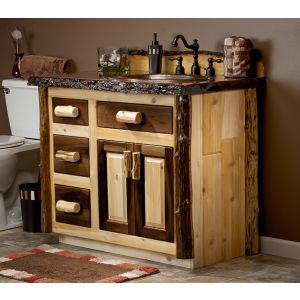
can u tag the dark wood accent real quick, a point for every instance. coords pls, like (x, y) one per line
(72, 194)
(105, 223)
(69, 143)
(46, 213)
(155, 118)
(83, 117)
(139, 195)
(251, 173)
(182, 179)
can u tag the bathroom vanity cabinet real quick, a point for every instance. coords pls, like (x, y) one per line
(161, 172)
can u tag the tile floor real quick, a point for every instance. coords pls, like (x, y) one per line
(258, 268)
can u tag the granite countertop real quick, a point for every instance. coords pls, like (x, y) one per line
(92, 81)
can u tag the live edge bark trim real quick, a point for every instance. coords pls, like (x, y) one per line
(251, 172)
(46, 215)
(182, 177)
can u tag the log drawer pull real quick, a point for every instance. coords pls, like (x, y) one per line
(68, 207)
(67, 156)
(67, 111)
(131, 117)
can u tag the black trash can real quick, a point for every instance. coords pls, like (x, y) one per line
(30, 194)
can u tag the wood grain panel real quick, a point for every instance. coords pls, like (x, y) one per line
(197, 178)
(82, 106)
(72, 194)
(231, 114)
(133, 136)
(151, 99)
(103, 173)
(155, 118)
(140, 194)
(213, 206)
(115, 238)
(233, 199)
(68, 143)
(72, 130)
(116, 187)
(71, 180)
(154, 192)
(212, 122)
(46, 195)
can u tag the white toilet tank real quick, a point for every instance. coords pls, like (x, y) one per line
(22, 102)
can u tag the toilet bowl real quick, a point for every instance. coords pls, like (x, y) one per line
(19, 153)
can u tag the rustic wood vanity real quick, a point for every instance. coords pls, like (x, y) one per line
(166, 172)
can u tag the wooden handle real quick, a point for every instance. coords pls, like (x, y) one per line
(127, 163)
(136, 165)
(67, 156)
(67, 111)
(131, 117)
(68, 207)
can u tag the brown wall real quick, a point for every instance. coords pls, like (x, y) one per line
(278, 39)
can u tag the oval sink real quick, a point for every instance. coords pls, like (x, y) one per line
(161, 78)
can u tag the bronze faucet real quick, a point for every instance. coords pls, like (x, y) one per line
(195, 47)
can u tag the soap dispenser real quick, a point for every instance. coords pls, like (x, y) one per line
(155, 56)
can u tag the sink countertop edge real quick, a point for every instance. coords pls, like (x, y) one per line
(115, 84)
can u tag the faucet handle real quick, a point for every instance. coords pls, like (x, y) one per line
(180, 68)
(210, 71)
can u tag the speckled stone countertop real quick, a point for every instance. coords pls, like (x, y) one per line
(92, 81)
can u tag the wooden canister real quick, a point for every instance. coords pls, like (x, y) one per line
(237, 57)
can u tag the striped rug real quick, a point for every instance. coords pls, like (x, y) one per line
(48, 264)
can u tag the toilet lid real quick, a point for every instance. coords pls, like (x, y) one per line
(7, 141)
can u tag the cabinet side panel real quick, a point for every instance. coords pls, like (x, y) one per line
(213, 210)
(233, 200)
(223, 178)
(212, 122)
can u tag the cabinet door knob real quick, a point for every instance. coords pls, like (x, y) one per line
(67, 206)
(131, 117)
(67, 156)
(136, 165)
(67, 111)
(127, 163)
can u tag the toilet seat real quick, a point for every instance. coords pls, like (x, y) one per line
(8, 141)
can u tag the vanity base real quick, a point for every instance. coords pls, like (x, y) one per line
(127, 251)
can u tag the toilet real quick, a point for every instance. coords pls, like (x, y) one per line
(19, 153)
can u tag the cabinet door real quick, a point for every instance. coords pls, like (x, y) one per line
(153, 192)
(115, 195)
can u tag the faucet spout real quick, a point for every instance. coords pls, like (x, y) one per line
(194, 46)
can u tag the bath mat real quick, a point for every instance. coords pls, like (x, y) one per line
(48, 264)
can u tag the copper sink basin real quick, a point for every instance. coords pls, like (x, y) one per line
(161, 78)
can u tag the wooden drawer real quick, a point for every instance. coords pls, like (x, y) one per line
(82, 105)
(69, 144)
(75, 195)
(155, 118)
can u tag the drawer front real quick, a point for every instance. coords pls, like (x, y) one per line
(71, 155)
(70, 196)
(81, 105)
(154, 118)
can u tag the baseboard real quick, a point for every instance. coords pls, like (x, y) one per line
(280, 247)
